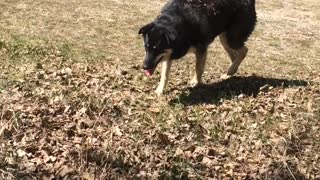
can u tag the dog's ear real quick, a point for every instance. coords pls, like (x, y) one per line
(170, 34)
(146, 28)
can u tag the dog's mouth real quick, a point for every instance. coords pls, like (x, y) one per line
(149, 72)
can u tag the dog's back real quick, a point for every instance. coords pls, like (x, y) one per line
(212, 17)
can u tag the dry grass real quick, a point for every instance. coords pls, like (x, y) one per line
(75, 104)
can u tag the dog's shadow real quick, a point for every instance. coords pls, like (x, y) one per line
(234, 86)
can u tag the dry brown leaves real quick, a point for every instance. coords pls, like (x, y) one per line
(73, 123)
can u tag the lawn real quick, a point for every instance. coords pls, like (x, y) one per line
(75, 104)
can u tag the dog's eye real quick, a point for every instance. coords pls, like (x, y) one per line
(146, 45)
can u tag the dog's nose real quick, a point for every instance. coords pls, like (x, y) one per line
(145, 67)
(147, 64)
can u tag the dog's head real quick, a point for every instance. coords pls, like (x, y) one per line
(158, 40)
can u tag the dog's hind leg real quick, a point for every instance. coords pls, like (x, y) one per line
(236, 55)
(201, 57)
(166, 65)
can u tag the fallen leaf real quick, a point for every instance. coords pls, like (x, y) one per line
(63, 171)
(117, 131)
(21, 153)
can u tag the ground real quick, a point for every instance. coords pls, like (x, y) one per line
(74, 103)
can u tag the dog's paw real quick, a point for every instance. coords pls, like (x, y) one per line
(194, 82)
(159, 91)
(232, 70)
(225, 77)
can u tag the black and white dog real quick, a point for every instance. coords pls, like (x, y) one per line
(192, 25)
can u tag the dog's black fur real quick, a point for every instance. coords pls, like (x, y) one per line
(185, 24)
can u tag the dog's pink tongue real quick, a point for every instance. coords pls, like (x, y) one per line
(148, 72)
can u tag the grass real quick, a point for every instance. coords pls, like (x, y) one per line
(74, 102)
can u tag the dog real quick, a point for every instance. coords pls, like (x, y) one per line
(191, 26)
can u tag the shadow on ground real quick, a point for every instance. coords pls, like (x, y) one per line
(234, 86)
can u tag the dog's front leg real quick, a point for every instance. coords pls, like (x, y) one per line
(201, 57)
(166, 65)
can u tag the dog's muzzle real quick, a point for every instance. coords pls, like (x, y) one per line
(149, 70)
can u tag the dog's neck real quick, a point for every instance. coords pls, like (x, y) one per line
(170, 15)
(173, 17)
